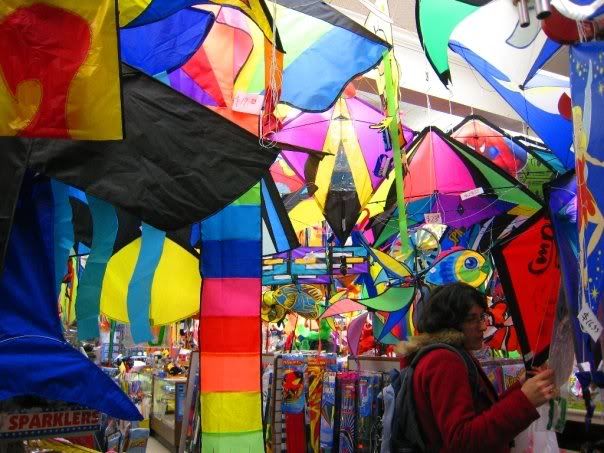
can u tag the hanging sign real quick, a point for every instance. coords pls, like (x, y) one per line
(248, 103)
(433, 217)
(589, 323)
(471, 193)
(37, 423)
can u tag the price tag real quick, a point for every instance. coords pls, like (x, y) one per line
(472, 193)
(589, 323)
(433, 217)
(248, 103)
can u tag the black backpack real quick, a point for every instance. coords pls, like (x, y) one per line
(406, 434)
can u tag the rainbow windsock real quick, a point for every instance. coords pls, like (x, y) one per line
(231, 403)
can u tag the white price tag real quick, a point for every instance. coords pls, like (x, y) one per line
(472, 193)
(248, 103)
(433, 217)
(589, 323)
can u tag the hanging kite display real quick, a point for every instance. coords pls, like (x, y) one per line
(434, 28)
(499, 147)
(480, 192)
(343, 182)
(136, 13)
(509, 58)
(562, 204)
(60, 76)
(227, 72)
(32, 332)
(530, 274)
(588, 105)
(186, 176)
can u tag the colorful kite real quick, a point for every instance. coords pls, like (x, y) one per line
(127, 274)
(561, 197)
(479, 192)
(435, 21)
(466, 266)
(496, 145)
(179, 162)
(343, 182)
(228, 71)
(588, 106)
(32, 332)
(135, 13)
(509, 58)
(60, 76)
(530, 274)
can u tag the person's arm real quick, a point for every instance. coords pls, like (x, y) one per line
(444, 377)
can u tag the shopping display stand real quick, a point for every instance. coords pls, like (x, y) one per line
(190, 426)
(375, 364)
(168, 408)
(276, 393)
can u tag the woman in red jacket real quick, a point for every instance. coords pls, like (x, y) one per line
(453, 417)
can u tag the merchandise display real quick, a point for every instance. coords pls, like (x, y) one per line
(231, 225)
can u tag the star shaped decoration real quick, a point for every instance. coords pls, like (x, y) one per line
(594, 293)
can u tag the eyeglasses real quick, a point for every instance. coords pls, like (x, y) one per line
(477, 319)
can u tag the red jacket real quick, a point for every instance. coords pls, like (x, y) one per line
(449, 421)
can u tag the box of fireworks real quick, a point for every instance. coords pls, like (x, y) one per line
(328, 405)
(367, 390)
(347, 383)
(512, 374)
(136, 440)
(293, 402)
(114, 441)
(317, 365)
(294, 399)
(495, 374)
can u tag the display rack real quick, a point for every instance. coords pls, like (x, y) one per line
(190, 429)
(167, 410)
(277, 419)
(377, 364)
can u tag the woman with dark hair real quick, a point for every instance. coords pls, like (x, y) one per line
(453, 416)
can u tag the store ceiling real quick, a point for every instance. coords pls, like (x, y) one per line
(439, 111)
(403, 15)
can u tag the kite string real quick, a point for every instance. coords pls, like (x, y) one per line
(581, 31)
(271, 89)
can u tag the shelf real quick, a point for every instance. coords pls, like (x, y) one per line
(578, 415)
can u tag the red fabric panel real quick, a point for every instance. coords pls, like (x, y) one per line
(233, 334)
(530, 274)
(56, 46)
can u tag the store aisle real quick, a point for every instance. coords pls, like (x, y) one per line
(153, 446)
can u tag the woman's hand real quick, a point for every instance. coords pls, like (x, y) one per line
(540, 388)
